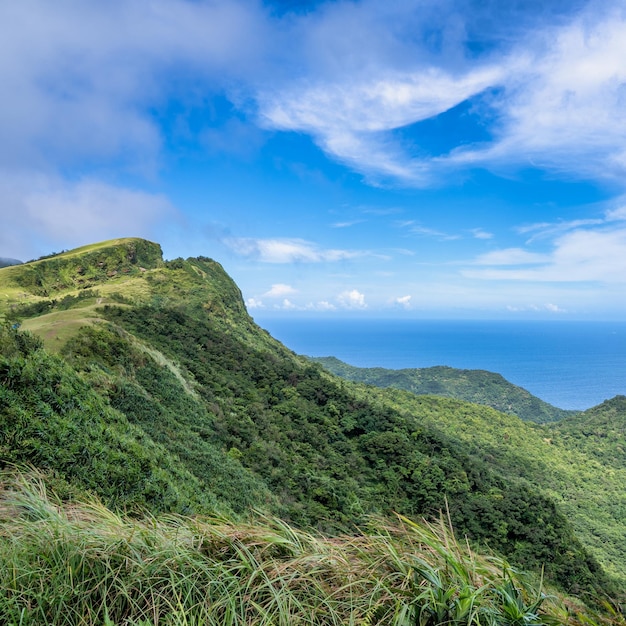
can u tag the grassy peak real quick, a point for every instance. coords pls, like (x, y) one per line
(55, 296)
(125, 242)
(81, 268)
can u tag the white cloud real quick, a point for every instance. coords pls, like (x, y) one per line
(287, 250)
(511, 256)
(479, 233)
(322, 306)
(550, 308)
(431, 232)
(616, 215)
(563, 105)
(346, 224)
(404, 301)
(338, 111)
(578, 256)
(348, 74)
(553, 308)
(349, 119)
(548, 230)
(40, 208)
(84, 86)
(79, 78)
(582, 250)
(279, 290)
(416, 228)
(352, 299)
(82, 81)
(551, 97)
(254, 303)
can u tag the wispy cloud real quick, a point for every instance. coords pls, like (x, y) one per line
(47, 208)
(551, 98)
(546, 230)
(350, 119)
(511, 256)
(582, 250)
(562, 108)
(479, 233)
(383, 211)
(347, 224)
(416, 228)
(347, 74)
(618, 213)
(578, 256)
(287, 250)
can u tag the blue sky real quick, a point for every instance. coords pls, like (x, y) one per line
(415, 159)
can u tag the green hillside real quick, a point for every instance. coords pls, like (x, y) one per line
(565, 461)
(103, 263)
(476, 386)
(158, 368)
(52, 419)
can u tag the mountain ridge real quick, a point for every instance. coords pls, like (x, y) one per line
(478, 386)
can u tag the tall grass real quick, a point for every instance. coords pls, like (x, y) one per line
(82, 564)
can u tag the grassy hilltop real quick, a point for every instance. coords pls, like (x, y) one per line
(146, 384)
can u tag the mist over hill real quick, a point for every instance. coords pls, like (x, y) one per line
(146, 383)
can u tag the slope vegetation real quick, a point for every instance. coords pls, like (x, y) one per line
(564, 461)
(104, 568)
(234, 421)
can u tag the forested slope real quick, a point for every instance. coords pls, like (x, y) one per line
(235, 421)
(478, 386)
(565, 461)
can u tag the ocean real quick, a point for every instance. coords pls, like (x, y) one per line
(571, 365)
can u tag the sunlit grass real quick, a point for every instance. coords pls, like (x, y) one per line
(57, 327)
(33, 281)
(93, 247)
(81, 564)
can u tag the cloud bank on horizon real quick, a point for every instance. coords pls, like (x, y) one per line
(385, 158)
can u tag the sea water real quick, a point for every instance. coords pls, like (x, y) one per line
(571, 365)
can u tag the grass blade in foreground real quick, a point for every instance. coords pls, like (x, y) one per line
(81, 564)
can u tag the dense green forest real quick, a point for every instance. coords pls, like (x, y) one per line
(146, 384)
(476, 386)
